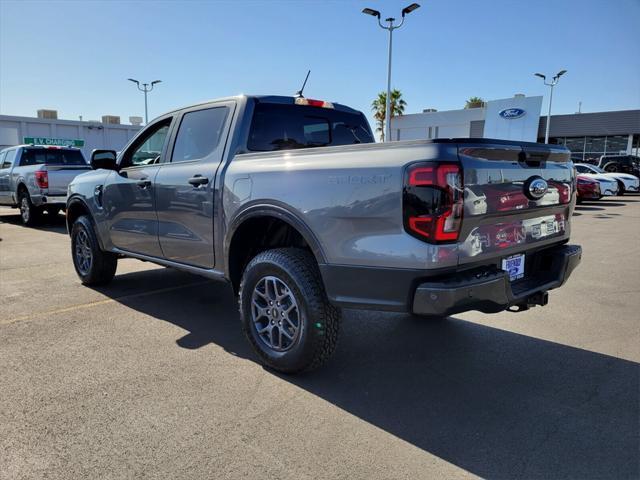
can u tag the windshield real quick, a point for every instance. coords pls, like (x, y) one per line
(51, 156)
(282, 127)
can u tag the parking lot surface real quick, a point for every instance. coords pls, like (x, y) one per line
(150, 377)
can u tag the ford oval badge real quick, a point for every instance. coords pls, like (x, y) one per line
(535, 188)
(511, 113)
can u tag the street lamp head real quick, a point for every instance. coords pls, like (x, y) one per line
(540, 75)
(560, 73)
(372, 12)
(156, 81)
(134, 81)
(410, 8)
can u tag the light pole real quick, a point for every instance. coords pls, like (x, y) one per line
(146, 88)
(390, 28)
(552, 84)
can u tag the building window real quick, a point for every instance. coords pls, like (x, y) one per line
(617, 144)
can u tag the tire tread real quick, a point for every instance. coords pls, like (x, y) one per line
(301, 265)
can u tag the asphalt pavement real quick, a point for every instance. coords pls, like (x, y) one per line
(150, 377)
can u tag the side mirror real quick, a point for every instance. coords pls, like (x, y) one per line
(103, 159)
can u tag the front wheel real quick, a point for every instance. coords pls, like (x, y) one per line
(93, 266)
(621, 189)
(285, 312)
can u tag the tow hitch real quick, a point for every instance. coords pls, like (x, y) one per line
(540, 298)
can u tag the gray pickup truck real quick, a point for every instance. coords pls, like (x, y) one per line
(292, 202)
(35, 178)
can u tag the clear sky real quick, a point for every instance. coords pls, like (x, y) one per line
(75, 56)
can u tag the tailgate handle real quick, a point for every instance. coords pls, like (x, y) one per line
(532, 159)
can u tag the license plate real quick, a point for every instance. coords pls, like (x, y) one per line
(514, 265)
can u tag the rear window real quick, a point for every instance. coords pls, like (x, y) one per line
(51, 156)
(283, 127)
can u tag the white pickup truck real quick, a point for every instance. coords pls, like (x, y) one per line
(35, 178)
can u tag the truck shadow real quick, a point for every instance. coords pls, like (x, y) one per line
(495, 403)
(55, 223)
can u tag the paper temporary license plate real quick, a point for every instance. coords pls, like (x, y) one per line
(514, 265)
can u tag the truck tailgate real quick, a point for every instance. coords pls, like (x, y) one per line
(517, 197)
(60, 177)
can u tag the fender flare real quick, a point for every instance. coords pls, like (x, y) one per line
(75, 200)
(277, 211)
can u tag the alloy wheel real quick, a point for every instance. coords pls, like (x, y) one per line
(82, 252)
(276, 316)
(25, 209)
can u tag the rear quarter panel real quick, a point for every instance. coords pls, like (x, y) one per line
(350, 197)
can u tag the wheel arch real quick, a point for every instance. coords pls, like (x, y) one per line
(260, 214)
(76, 207)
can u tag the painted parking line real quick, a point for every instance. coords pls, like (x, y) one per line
(97, 303)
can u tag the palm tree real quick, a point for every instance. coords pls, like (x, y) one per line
(474, 102)
(379, 107)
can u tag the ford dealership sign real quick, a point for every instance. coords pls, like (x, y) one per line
(511, 113)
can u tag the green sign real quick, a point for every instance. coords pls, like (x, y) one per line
(58, 142)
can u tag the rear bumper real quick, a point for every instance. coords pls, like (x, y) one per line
(491, 291)
(43, 200)
(433, 292)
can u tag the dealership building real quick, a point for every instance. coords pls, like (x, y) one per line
(47, 129)
(587, 135)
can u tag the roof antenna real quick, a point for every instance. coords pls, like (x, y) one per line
(299, 92)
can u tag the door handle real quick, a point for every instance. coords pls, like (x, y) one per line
(144, 183)
(198, 180)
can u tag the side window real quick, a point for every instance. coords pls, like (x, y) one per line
(7, 161)
(582, 169)
(2, 155)
(148, 149)
(199, 134)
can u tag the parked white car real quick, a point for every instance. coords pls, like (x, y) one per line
(626, 182)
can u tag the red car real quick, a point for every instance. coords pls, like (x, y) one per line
(505, 197)
(588, 189)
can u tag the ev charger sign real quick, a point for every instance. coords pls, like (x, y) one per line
(512, 113)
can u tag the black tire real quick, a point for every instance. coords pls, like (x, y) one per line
(611, 167)
(29, 213)
(621, 189)
(318, 321)
(100, 268)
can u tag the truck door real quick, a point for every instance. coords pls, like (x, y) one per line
(6, 189)
(129, 193)
(185, 184)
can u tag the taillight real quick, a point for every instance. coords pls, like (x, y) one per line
(313, 103)
(42, 179)
(433, 201)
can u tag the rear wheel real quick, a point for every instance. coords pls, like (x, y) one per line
(29, 213)
(285, 312)
(93, 266)
(611, 168)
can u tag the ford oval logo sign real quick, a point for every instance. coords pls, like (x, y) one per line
(511, 113)
(535, 188)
